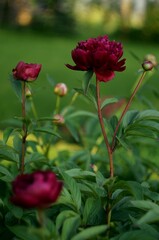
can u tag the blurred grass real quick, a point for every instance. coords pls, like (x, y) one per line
(53, 53)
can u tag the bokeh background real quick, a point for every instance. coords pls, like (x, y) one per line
(45, 31)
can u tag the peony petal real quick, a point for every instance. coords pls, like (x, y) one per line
(104, 75)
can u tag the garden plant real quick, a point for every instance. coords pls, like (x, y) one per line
(104, 184)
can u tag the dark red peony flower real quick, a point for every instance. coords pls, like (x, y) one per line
(36, 190)
(99, 55)
(26, 72)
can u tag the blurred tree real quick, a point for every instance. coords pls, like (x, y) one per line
(55, 15)
(6, 11)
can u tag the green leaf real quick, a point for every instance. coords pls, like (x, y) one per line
(73, 130)
(73, 188)
(6, 133)
(136, 189)
(147, 114)
(50, 80)
(66, 199)
(16, 211)
(100, 179)
(70, 227)
(87, 212)
(80, 113)
(86, 82)
(90, 232)
(136, 235)
(91, 93)
(23, 233)
(139, 131)
(35, 157)
(123, 143)
(17, 86)
(93, 212)
(80, 174)
(151, 125)
(45, 119)
(108, 101)
(7, 176)
(46, 130)
(62, 217)
(152, 214)
(129, 118)
(8, 153)
(145, 205)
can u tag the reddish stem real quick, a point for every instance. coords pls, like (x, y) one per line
(126, 109)
(103, 129)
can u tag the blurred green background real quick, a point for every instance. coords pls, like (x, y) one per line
(45, 31)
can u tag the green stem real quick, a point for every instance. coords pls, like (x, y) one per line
(40, 217)
(57, 107)
(103, 130)
(33, 109)
(24, 129)
(126, 109)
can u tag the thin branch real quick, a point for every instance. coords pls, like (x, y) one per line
(126, 109)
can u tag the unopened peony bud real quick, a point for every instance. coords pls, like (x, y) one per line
(60, 89)
(147, 65)
(152, 58)
(58, 119)
(26, 72)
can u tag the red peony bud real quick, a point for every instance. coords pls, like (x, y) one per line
(36, 190)
(100, 55)
(58, 119)
(147, 65)
(26, 72)
(60, 89)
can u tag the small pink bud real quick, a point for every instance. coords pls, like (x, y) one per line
(147, 65)
(58, 119)
(60, 89)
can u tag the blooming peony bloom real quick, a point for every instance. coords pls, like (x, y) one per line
(36, 190)
(26, 72)
(100, 55)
